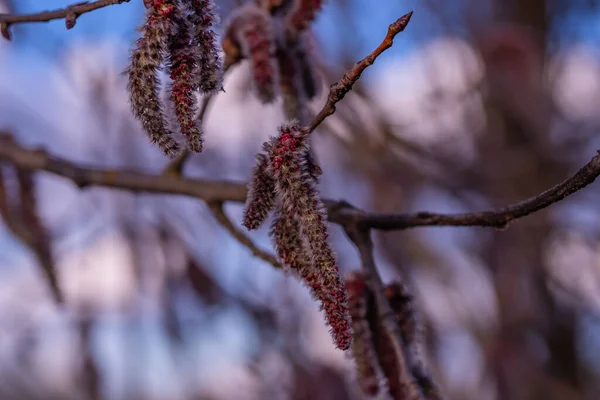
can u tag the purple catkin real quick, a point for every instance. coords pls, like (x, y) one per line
(288, 245)
(308, 77)
(365, 356)
(260, 200)
(295, 100)
(300, 200)
(209, 72)
(143, 83)
(251, 28)
(182, 61)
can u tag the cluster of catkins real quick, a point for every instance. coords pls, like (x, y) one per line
(176, 35)
(272, 35)
(372, 350)
(285, 180)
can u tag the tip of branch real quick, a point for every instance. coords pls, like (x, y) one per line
(401, 23)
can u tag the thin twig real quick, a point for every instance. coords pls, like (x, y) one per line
(339, 212)
(216, 207)
(362, 240)
(499, 218)
(46, 16)
(338, 90)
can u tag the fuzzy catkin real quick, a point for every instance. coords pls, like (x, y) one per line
(362, 346)
(288, 245)
(294, 185)
(209, 71)
(182, 60)
(143, 84)
(260, 200)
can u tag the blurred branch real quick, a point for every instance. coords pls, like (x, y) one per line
(69, 13)
(339, 212)
(216, 207)
(23, 221)
(361, 237)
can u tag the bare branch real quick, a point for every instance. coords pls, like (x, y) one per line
(492, 218)
(362, 240)
(338, 90)
(71, 12)
(339, 212)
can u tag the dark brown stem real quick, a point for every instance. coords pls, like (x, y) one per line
(338, 90)
(493, 218)
(339, 212)
(72, 11)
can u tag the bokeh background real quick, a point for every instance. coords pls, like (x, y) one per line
(480, 103)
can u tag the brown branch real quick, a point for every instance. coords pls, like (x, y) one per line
(71, 13)
(493, 218)
(386, 316)
(338, 90)
(339, 212)
(216, 207)
(206, 190)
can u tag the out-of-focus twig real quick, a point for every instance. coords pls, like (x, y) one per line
(24, 222)
(218, 212)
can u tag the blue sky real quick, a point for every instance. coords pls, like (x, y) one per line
(368, 24)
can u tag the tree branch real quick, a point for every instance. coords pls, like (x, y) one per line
(493, 218)
(46, 16)
(338, 90)
(339, 212)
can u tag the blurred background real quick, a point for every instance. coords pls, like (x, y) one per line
(480, 103)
